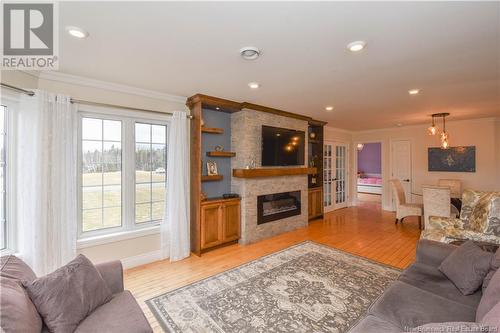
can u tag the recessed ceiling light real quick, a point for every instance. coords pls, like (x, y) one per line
(329, 108)
(356, 46)
(77, 32)
(414, 91)
(217, 108)
(399, 124)
(249, 52)
(254, 85)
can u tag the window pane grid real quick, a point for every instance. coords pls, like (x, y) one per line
(150, 146)
(102, 166)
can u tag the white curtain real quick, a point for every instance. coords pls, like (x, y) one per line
(46, 180)
(175, 227)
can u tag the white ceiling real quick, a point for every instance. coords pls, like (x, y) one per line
(450, 50)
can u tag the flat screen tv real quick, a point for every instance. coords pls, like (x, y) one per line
(282, 146)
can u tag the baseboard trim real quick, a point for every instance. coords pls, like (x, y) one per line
(141, 259)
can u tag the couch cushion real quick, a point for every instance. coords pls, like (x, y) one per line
(490, 297)
(429, 278)
(466, 267)
(69, 294)
(407, 306)
(18, 313)
(494, 265)
(374, 325)
(121, 314)
(492, 318)
(14, 268)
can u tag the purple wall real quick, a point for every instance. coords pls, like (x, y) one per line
(370, 158)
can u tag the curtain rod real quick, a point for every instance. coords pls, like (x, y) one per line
(79, 101)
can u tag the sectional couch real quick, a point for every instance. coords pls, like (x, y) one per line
(423, 295)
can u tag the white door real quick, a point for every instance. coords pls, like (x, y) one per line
(401, 164)
(335, 179)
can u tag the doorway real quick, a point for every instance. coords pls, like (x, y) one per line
(369, 172)
(335, 177)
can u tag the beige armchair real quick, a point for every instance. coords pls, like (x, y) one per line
(404, 209)
(436, 202)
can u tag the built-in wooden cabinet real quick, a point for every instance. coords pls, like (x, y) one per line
(315, 201)
(220, 222)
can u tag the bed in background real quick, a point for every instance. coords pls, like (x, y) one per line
(370, 183)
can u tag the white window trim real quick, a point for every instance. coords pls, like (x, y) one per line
(129, 229)
(11, 102)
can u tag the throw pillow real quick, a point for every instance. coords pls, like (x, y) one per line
(68, 295)
(17, 314)
(466, 267)
(495, 264)
(490, 298)
(493, 225)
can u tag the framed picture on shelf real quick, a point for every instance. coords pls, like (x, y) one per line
(212, 168)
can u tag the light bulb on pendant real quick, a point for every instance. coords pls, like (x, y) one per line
(432, 130)
(445, 143)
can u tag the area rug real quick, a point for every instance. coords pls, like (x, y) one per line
(305, 288)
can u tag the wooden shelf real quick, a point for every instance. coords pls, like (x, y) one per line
(272, 172)
(212, 130)
(221, 154)
(211, 178)
(219, 200)
(315, 141)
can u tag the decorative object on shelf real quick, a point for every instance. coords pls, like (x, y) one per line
(433, 129)
(202, 122)
(212, 168)
(312, 135)
(360, 146)
(203, 196)
(252, 165)
(454, 159)
(230, 195)
(219, 148)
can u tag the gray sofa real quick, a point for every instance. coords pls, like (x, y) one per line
(120, 314)
(421, 295)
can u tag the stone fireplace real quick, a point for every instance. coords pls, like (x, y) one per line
(247, 142)
(277, 206)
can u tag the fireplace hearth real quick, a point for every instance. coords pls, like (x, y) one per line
(277, 206)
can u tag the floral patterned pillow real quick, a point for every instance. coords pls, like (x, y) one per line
(482, 212)
(493, 226)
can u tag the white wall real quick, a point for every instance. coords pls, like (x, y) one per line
(482, 133)
(132, 250)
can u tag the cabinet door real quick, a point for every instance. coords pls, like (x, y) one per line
(311, 203)
(231, 221)
(211, 225)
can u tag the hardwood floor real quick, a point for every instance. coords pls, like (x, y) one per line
(365, 230)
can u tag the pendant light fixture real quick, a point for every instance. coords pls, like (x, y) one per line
(433, 129)
(445, 137)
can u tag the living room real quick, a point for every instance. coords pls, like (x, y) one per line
(193, 169)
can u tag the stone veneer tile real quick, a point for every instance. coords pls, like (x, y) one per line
(246, 138)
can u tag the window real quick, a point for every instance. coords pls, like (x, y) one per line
(101, 174)
(123, 173)
(150, 168)
(3, 183)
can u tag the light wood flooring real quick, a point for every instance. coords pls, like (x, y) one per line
(364, 230)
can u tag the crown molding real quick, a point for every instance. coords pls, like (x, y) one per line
(110, 86)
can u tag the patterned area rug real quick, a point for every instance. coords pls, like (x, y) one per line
(304, 288)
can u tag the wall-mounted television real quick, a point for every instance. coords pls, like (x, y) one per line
(282, 146)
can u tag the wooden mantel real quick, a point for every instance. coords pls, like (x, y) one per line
(272, 172)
